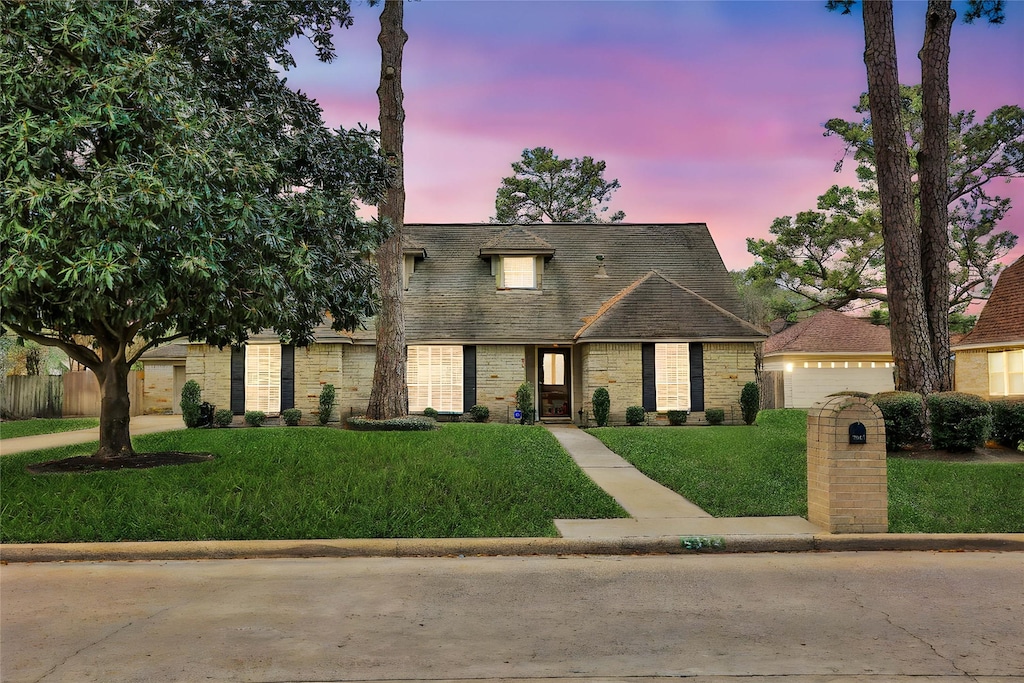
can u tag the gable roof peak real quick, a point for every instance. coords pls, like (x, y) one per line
(516, 239)
(1002, 318)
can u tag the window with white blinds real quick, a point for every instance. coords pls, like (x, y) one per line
(263, 377)
(519, 272)
(672, 376)
(1006, 373)
(434, 377)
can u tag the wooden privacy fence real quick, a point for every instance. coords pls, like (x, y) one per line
(33, 396)
(771, 383)
(72, 395)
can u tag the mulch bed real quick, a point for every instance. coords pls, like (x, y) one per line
(990, 452)
(141, 461)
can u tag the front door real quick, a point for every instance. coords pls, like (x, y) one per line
(554, 383)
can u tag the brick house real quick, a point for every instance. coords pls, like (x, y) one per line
(647, 311)
(990, 358)
(827, 353)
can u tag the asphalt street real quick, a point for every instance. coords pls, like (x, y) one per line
(803, 618)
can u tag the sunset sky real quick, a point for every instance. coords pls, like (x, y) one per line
(704, 111)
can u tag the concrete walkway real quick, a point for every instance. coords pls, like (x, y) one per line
(654, 509)
(140, 424)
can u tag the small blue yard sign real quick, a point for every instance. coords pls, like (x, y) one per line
(518, 415)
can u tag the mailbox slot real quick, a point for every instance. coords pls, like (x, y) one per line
(858, 433)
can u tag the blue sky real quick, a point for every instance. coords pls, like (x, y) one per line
(704, 111)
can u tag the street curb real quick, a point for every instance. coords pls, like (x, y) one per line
(453, 547)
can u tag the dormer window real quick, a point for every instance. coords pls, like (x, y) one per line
(519, 272)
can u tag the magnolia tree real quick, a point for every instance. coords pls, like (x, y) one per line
(161, 181)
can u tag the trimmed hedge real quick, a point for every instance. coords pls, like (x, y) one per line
(602, 403)
(480, 413)
(411, 423)
(291, 416)
(223, 418)
(715, 416)
(326, 404)
(191, 399)
(677, 417)
(1008, 421)
(255, 418)
(430, 412)
(635, 415)
(750, 402)
(960, 422)
(904, 417)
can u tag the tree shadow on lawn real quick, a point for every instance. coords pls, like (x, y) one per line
(140, 461)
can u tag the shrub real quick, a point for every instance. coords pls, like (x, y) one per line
(480, 413)
(326, 403)
(715, 416)
(677, 417)
(430, 412)
(409, 423)
(255, 418)
(191, 399)
(750, 402)
(903, 412)
(1008, 421)
(635, 415)
(222, 418)
(960, 422)
(291, 416)
(524, 403)
(602, 406)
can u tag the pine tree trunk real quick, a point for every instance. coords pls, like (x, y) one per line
(933, 174)
(911, 341)
(389, 396)
(115, 409)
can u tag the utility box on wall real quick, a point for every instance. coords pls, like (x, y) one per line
(846, 467)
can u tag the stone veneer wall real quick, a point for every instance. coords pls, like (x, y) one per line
(210, 367)
(971, 372)
(315, 366)
(499, 372)
(158, 389)
(353, 392)
(618, 368)
(727, 367)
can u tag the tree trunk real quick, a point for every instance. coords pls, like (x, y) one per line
(389, 396)
(911, 341)
(115, 409)
(933, 175)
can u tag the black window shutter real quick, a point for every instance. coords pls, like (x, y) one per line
(237, 380)
(287, 377)
(650, 381)
(468, 378)
(696, 376)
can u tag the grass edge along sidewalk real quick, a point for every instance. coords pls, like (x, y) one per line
(309, 483)
(15, 429)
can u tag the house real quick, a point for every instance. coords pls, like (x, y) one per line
(827, 353)
(163, 376)
(647, 311)
(990, 358)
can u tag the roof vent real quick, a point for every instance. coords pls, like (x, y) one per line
(600, 267)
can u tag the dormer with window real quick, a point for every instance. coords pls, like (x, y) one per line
(412, 253)
(517, 259)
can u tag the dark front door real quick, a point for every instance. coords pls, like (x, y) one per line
(554, 369)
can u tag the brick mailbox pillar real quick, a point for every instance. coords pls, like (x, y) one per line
(846, 469)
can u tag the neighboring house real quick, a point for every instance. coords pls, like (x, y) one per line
(647, 311)
(830, 352)
(163, 378)
(990, 358)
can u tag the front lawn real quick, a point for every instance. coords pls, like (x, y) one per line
(12, 429)
(757, 471)
(299, 483)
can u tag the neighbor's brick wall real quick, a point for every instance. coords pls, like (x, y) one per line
(315, 366)
(210, 367)
(846, 483)
(618, 368)
(499, 372)
(727, 367)
(158, 389)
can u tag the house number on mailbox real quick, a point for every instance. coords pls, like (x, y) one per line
(858, 434)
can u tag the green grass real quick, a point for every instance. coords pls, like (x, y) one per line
(739, 471)
(267, 483)
(12, 429)
(762, 471)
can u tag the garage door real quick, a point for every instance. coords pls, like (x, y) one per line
(807, 386)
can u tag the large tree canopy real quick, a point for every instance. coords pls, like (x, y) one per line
(543, 187)
(833, 255)
(160, 180)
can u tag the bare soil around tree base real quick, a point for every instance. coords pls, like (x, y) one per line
(140, 461)
(990, 452)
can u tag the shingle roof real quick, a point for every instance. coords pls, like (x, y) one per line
(830, 332)
(452, 294)
(516, 240)
(167, 352)
(1002, 318)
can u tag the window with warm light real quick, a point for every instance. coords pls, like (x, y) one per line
(434, 377)
(519, 272)
(672, 376)
(1006, 373)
